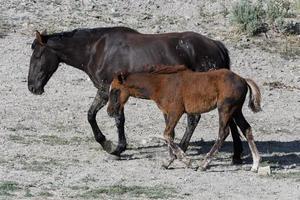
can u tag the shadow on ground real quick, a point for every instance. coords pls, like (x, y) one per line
(273, 152)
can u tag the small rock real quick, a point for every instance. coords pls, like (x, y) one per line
(264, 171)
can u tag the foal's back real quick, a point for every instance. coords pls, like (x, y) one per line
(199, 92)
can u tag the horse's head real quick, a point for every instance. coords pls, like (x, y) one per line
(43, 63)
(118, 95)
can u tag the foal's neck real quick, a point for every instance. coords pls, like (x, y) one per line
(142, 86)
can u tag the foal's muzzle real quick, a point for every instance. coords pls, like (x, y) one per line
(113, 111)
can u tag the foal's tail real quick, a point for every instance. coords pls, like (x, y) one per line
(255, 96)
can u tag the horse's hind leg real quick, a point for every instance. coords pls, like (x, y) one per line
(237, 143)
(246, 129)
(192, 122)
(224, 118)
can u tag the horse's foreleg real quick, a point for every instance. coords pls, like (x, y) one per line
(192, 122)
(120, 120)
(100, 100)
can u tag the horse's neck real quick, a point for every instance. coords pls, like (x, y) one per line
(74, 55)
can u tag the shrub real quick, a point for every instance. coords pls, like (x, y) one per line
(256, 17)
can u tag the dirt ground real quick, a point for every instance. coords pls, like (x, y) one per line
(47, 150)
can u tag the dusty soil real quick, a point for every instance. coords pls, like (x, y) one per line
(47, 150)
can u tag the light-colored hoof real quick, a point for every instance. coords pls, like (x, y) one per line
(264, 171)
(202, 168)
(166, 164)
(187, 162)
(254, 169)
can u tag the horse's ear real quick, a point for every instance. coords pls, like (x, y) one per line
(39, 38)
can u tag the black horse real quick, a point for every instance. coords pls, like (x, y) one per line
(103, 52)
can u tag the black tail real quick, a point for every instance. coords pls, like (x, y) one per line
(224, 55)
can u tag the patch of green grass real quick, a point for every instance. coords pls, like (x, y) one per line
(28, 193)
(7, 187)
(45, 194)
(54, 140)
(77, 187)
(37, 165)
(19, 139)
(288, 175)
(48, 139)
(156, 192)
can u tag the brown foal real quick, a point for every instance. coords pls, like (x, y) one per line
(177, 90)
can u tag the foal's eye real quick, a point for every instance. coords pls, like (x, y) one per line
(114, 95)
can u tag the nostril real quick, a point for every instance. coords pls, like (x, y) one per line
(31, 88)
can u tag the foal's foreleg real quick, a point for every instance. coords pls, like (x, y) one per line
(120, 120)
(174, 149)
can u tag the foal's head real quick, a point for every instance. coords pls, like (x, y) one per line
(118, 95)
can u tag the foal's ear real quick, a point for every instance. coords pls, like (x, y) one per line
(122, 77)
(44, 32)
(39, 38)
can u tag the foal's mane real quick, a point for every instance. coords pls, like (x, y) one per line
(164, 69)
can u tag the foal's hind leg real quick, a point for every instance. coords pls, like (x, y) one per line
(246, 129)
(192, 122)
(224, 118)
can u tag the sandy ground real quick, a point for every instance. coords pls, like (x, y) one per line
(47, 150)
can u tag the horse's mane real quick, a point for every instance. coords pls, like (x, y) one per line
(83, 33)
(87, 31)
(164, 69)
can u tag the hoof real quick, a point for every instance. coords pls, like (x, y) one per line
(108, 146)
(166, 164)
(187, 162)
(111, 157)
(202, 168)
(119, 150)
(236, 161)
(254, 169)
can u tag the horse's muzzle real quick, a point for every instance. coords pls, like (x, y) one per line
(35, 91)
